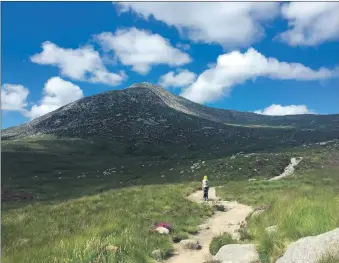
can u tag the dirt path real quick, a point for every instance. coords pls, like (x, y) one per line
(219, 223)
(289, 169)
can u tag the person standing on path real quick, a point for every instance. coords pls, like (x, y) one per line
(205, 188)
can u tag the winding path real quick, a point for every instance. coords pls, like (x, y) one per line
(219, 223)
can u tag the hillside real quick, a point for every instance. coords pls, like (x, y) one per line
(97, 173)
(147, 120)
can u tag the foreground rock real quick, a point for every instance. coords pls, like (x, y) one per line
(162, 230)
(190, 244)
(312, 249)
(237, 253)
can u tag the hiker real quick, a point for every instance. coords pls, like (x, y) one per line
(205, 188)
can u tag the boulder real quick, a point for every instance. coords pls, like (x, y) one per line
(312, 249)
(190, 244)
(237, 253)
(162, 230)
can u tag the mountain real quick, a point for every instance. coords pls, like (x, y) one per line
(147, 116)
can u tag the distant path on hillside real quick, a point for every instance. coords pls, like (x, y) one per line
(219, 223)
(289, 169)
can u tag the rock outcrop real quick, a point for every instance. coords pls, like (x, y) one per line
(237, 253)
(313, 248)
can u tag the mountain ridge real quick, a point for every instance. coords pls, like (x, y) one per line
(146, 114)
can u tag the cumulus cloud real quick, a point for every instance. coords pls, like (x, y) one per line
(84, 63)
(235, 68)
(279, 110)
(310, 23)
(57, 93)
(141, 49)
(182, 79)
(237, 24)
(13, 97)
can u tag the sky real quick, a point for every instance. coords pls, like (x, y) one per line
(267, 57)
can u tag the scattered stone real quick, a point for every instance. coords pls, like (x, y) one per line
(190, 244)
(259, 210)
(112, 248)
(204, 227)
(176, 239)
(257, 213)
(271, 229)
(156, 254)
(312, 249)
(162, 230)
(237, 253)
(220, 208)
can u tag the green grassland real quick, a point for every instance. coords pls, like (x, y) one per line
(87, 198)
(304, 204)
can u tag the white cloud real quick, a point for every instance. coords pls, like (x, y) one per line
(310, 23)
(237, 24)
(235, 68)
(57, 93)
(181, 79)
(84, 64)
(279, 110)
(13, 97)
(141, 49)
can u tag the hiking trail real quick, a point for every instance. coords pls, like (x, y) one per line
(219, 223)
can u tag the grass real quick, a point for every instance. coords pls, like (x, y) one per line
(79, 230)
(305, 204)
(219, 241)
(73, 218)
(329, 259)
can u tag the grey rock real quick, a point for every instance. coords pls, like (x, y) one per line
(156, 254)
(162, 230)
(312, 249)
(204, 227)
(190, 244)
(237, 253)
(257, 213)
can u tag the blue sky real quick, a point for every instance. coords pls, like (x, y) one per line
(271, 58)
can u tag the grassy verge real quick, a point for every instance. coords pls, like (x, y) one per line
(219, 241)
(80, 230)
(329, 259)
(305, 204)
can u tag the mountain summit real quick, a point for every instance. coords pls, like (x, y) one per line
(147, 114)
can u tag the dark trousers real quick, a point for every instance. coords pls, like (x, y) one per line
(205, 193)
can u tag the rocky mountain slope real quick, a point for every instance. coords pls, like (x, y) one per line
(146, 115)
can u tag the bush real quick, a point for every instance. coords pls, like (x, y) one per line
(220, 241)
